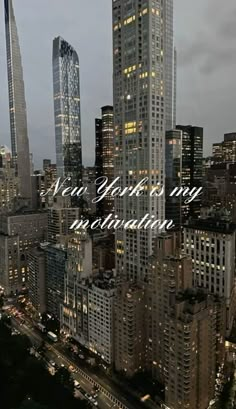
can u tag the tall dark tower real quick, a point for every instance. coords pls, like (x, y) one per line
(191, 174)
(17, 104)
(104, 155)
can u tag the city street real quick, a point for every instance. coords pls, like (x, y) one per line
(107, 397)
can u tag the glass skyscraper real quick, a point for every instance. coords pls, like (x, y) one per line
(66, 85)
(17, 104)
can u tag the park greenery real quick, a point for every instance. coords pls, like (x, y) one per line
(26, 383)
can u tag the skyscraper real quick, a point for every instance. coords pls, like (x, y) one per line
(139, 48)
(98, 160)
(108, 152)
(17, 104)
(194, 339)
(226, 150)
(211, 244)
(170, 55)
(37, 271)
(56, 256)
(173, 175)
(170, 271)
(104, 161)
(66, 85)
(192, 172)
(130, 341)
(98, 147)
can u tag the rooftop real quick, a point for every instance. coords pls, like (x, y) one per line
(212, 224)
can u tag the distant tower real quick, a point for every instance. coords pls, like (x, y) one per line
(104, 160)
(66, 85)
(191, 173)
(17, 105)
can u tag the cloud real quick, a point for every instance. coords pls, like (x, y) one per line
(206, 44)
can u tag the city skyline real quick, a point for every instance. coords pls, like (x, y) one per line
(201, 85)
(132, 277)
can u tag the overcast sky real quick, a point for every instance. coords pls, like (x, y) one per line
(205, 36)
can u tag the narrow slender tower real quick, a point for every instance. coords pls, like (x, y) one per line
(17, 104)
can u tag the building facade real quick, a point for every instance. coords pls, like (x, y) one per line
(173, 176)
(211, 244)
(9, 187)
(89, 178)
(17, 104)
(10, 277)
(55, 269)
(194, 338)
(170, 65)
(77, 269)
(87, 311)
(60, 219)
(100, 323)
(225, 151)
(139, 59)
(104, 155)
(21, 231)
(130, 331)
(37, 279)
(67, 112)
(192, 172)
(170, 271)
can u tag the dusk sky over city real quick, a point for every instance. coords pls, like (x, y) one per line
(118, 240)
(205, 40)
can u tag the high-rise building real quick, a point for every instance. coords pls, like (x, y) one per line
(37, 285)
(9, 187)
(130, 335)
(194, 341)
(211, 244)
(170, 54)
(19, 232)
(104, 251)
(60, 219)
(38, 186)
(139, 58)
(56, 256)
(170, 271)
(226, 150)
(89, 177)
(5, 156)
(87, 311)
(108, 153)
(173, 175)
(217, 151)
(98, 147)
(10, 278)
(50, 177)
(192, 173)
(98, 160)
(66, 85)
(220, 187)
(104, 155)
(17, 104)
(101, 295)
